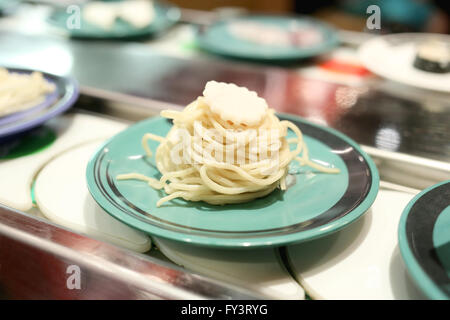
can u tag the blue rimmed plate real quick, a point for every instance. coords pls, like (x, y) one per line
(424, 240)
(219, 39)
(55, 103)
(314, 205)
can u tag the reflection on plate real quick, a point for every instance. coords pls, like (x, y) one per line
(393, 57)
(164, 16)
(424, 239)
(268, 38)
(314, 205)
(64, 96)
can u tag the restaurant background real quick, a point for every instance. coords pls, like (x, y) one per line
(352, 79)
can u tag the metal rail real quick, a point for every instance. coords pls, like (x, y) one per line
(35, 256)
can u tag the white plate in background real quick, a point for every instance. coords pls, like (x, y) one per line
(392, 57)
(70, 130)
(359, 262)
(62, 196)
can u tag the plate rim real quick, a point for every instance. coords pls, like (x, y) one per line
(299, 54)
(64, 102)
(275, 241)
(426, 284)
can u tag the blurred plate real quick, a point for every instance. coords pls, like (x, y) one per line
(228, 37)
(52, 194)
(315, 204)
(424, 240)
(6, 6)
(165, 16)
(392, 56)
(64, 96)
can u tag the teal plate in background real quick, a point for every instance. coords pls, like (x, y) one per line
(219, 40)
(315, 204)
(424, 240)
(7, 6)
(165, 16)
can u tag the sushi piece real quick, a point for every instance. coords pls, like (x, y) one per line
(433, 56)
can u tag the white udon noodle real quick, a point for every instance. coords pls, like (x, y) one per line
(215, 181)
(20, 91)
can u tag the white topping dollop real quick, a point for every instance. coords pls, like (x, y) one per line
(233, 103)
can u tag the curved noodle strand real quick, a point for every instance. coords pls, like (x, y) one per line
(223, 176)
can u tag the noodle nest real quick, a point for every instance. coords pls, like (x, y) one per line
(204, 158)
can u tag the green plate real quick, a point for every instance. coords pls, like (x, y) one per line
(165, 16)
(424, 240)
(314, 205)
(219, 40)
